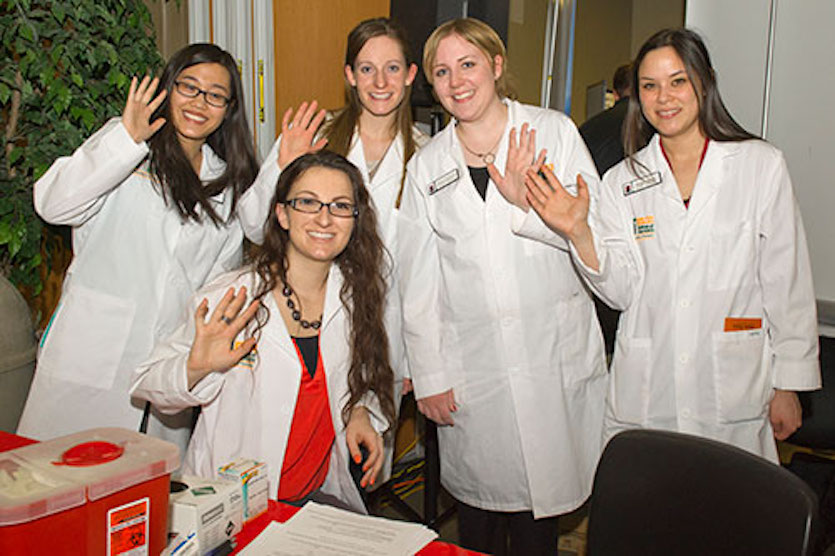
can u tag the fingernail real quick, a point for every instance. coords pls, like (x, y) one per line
(372, 482)
(357, 458)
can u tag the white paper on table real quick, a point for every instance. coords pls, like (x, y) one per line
(325, 530)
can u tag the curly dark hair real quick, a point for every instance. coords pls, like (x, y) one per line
(363, 264)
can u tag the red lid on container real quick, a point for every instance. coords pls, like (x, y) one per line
(90, 453)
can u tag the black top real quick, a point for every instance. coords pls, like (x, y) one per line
(309, 348)
(480, 178)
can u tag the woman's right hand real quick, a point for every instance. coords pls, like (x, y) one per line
(297, 135)
(213, 349)
(140, 106)
(439, 407)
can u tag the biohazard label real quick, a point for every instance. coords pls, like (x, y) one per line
(643, 227)
(127, 529)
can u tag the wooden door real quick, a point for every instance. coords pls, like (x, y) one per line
(310, 38)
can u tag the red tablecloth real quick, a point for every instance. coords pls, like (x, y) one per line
(275, 512)
(282, 512)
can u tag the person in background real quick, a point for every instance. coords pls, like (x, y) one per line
(319, 384)
(603, 132)
(698, 240)
(503, 346)
(151, 198)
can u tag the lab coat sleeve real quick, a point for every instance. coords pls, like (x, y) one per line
(231, 254)
(620, 270)
(74, 188)
(375, 414)
(418, 261)
(254, 204)
(788, 295)
(162, 379)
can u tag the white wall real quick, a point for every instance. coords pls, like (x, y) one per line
(799, 114)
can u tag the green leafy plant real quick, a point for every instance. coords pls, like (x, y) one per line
(66, 66)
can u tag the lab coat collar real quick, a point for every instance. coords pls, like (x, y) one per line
(391, 164)
(331, 309)
(211, 168)
(454, 150)
(710, 177)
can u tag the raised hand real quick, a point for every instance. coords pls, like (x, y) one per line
(439, 407)
(520, 158)
(360, 432)
(299, 131)
(140, 106)
(563, 212)
(213, 348)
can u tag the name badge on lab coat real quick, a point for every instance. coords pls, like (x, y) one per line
(642, 183)
(447, 179)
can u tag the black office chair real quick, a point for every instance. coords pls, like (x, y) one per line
(658, 492)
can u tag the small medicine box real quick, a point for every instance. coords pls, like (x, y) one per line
(251, 475)
(211, 509)
(102, 491)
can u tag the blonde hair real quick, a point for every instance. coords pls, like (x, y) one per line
(480, 35)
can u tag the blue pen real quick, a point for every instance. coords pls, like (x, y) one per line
(183, 543)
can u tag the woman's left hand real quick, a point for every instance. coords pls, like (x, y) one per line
(785, 413)
(360, 432)
(520, 157)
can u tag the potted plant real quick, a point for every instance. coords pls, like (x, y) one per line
(66, 69)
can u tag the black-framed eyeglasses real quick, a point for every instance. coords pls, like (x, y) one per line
(340, 209)
(191, 91)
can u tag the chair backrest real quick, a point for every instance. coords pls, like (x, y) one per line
(658, 492)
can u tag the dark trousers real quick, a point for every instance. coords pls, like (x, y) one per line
(506, 533)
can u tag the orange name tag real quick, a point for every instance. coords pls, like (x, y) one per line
(735, 325)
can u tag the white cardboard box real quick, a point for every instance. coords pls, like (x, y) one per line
(212, 509)
(251, 476)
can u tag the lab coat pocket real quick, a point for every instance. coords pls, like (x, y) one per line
(629, 388)
(733, 256)
(742, 384)
(87, 338)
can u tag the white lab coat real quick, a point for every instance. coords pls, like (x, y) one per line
(739, 251)
(505, 321)
(247, 411)
(135, 265)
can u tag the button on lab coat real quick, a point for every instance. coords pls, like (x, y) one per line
(738, 252)
(135, 265)
(248, 410)
(505, 321)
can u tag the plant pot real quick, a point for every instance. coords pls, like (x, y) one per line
(17, 354)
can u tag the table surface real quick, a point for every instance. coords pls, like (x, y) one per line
(275, 512)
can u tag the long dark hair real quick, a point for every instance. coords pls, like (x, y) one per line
(340, 130)
(231, 141)
(363, 292)
(714, 119)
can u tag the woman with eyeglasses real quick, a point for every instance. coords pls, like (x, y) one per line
(318, 384)
(151, 199)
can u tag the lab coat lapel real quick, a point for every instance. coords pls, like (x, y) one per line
(332, 302)
(453, 157)
(711, 174)
(494, 199)
(391, 165)
(658, 163)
